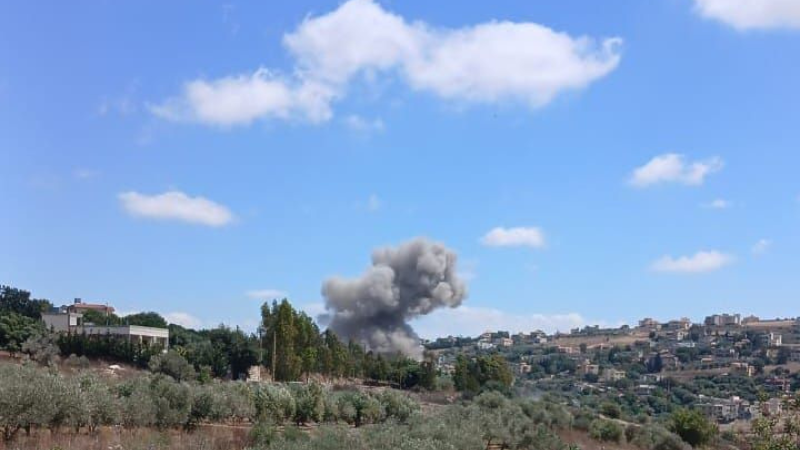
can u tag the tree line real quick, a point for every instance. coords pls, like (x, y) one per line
(288, 344)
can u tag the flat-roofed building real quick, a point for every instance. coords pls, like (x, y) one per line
(63, 321)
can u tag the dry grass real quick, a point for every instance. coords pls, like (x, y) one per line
(115, 438)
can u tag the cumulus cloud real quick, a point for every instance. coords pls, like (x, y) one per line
(752, 14)
(761, 247)
(514, 237)
(241, 99)
(266, 294)
(183, 319)
(175, 205)
(472, 321)
(497, 61)
(674, 168)
(700, 262)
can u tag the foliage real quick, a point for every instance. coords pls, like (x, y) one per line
(778, 433)
(693, 427)
(173, 365)
(18, 301)
(15, 329)
(605, 430)
(473, 375)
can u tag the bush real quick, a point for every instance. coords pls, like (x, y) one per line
(173, 402)
(309, 403)
(274, 403)
(138, 409)
(693, 427)
(358, 408)
(173, 365)
(397, 406)
(655, 437)
(605, 430)
(611, 410)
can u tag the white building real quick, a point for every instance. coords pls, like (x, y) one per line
(71, 322)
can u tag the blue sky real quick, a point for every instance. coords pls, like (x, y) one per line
(588, 161)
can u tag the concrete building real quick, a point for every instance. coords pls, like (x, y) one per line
(611, 375)
(79, 307)
(722, 320)
(63, 320)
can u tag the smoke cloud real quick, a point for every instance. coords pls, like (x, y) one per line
(405, 282)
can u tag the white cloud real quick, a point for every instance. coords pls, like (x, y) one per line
(497, 61)
(362, 125)
(751, 14)
(314, 309)
(719, 203)
(762, 246)
(266, 294)
(702, 261)
(674, 168)
(472, 321)
(514, 237)
(183, 319)
(241, 99)
(175, 205)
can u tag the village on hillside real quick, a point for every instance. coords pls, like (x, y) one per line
(732, 368)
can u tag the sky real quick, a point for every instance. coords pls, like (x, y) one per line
(589, 162)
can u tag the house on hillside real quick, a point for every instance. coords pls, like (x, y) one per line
(69, 320)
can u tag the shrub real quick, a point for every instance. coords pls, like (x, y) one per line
(309, 403)
(173, 365)
(138, 408)
(397, 406)
(605, 430)
(274, 403)
(693, 427)
(358, 408)
(655, 437)
(611, 410)
(172, 401)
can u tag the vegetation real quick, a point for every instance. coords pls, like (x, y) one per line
(693, 427)
(482, 373)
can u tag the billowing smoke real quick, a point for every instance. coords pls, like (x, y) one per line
(405, 282)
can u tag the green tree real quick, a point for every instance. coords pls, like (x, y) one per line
(693, 427)
(173, 365)
(145, 319)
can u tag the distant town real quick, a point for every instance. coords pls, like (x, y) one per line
(732, 368)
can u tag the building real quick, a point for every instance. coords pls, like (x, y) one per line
(587, 369)
(722, 320)
(79, 307)
(743, 368)
(750, 319)
(649, 323)
(682, 324)
(522, 368)
(64, 320)
(611, 375)
(503, 342)
(723, 410)
(773, 339)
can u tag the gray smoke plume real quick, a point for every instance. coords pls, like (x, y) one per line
(405, 282)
